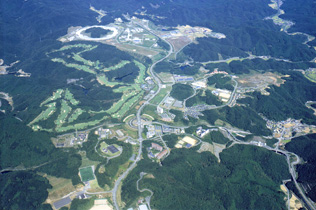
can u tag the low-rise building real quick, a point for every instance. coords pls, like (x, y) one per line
(162, 154)
(156, 146)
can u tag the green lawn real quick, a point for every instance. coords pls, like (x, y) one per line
(86, 174)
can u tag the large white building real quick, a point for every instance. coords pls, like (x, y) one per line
(143, 207)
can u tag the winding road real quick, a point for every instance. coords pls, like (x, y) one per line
(138, 115)
(291, 165)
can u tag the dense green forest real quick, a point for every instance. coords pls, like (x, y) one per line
(286, 101)
(244, 67)
(29, 30)
(166, 66)
(235, 116)
(112, 166)
(23, 190)
(200, 98)
(181, 91)
(97, 32)
(305, 147)
(221, 82)
(217, 137)
(303, 16)
(247, 178)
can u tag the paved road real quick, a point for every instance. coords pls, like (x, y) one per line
(145, 189)
(291, 165)
(138, 115)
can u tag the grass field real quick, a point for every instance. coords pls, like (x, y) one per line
(87, 162)
(127, 105)
(87, 47)
(45, 114)
(80, 126)
(77, 57)
(70, 97)
(311, 77)
(117, 66)
(60, 187)
(86, 174)
(142, 68)
(56, 95)
(163, 92)
(151, 110)
(103, 80)
(116, 106)
(64, 112)
(74, 65)
(74, 116)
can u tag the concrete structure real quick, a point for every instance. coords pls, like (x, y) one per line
(156, 146)
(162, 154)
(62, 202)
(159, 110)
(143, 207)
(199, 84)
(178, 104)
(119, 133)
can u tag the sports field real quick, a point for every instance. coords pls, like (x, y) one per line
(86, 174)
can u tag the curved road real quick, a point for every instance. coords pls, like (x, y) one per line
(140, 138)
(143, 190)
(291, 165)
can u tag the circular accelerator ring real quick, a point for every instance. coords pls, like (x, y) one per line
(109, 36)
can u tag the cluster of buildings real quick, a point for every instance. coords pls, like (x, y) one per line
(169, 102)
(199, 84)
(196, 111)
(285, 129)
(129, 35)
(71, 139)
(192, 33)
(258, 143)
(179, 78)
(200, 132)
(165, 116)
(103, 133)
(159, 130)
(156, 151)
(223, 95)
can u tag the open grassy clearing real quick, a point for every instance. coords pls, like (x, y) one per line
(116, 106)
(142, 72)
(74, 116)
(103, 80)
(86, 174)
(56, 95)
(64, 112)
(163, 92)
(44, 115)
(150, 110)
(70, 97)
(87, 162)
(87, 47)
(127, 105)
(60, 187)
(74, 65)
(311, 77)
(80, 126)
(137, 49)
(78, 58)
(117, 66)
